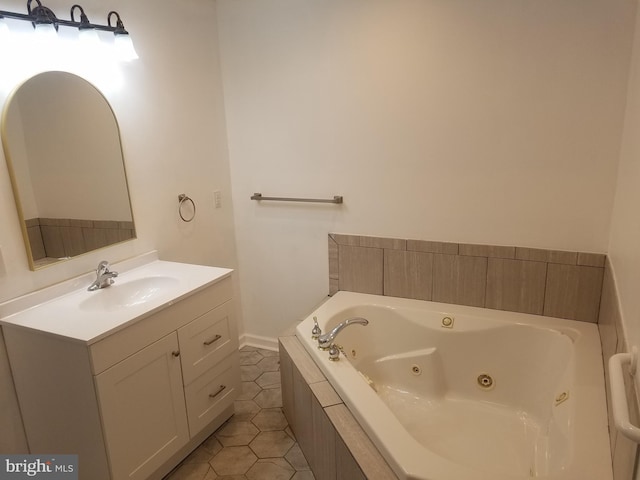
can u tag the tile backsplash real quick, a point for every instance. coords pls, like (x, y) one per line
(528, 280)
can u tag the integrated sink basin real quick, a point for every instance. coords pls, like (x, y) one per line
(144, 285)
(130, 293)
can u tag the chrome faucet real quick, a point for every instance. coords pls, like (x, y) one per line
(104, 277)
(325, 340)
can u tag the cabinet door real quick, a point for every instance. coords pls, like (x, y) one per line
(143, 409)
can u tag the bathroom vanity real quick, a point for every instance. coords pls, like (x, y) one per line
(131, 377)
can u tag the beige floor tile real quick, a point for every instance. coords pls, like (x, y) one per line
(269, 364)
(271, 469)
(250, 357)
(270, 420)
(296, 458)
(211, 475)
(199, 455)
(270, 398)
(249, 390)
(211, 445)
(268, 353)
(269, 380)
(234, 434)
(191, 471)
(249, 373)
(271, 444)
(233, 461)
(245, 410)
(305, 475)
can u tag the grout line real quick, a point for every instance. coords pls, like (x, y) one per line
(486, 281)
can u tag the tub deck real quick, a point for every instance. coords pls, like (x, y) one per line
(415, 386)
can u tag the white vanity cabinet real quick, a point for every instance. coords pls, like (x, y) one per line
(142, 409)
(137, 401)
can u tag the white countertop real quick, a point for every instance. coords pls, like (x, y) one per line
(68, 310)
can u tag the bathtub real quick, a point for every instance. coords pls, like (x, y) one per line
(449, 392)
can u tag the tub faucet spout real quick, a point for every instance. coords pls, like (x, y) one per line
(325, 341)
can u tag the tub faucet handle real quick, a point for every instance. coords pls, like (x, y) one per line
(334, 352)
(316, 331)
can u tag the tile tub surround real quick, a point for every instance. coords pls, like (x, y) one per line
(256, 443)
(519, 279)
(612, 338)
(332, 440)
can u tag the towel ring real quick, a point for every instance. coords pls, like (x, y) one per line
(182, 198)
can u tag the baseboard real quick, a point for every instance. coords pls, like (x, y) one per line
(268, 343)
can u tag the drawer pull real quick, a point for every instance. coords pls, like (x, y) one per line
(176, 353)
(220, 390)
(213, 340)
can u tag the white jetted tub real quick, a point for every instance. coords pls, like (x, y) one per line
(449, 392)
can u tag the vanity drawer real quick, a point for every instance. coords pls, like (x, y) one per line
(126, 342)
(208, 395)
(207, 340)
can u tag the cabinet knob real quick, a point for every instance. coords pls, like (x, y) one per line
(176, 353)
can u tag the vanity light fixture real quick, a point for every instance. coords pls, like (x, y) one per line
(46, 23)
(123, 42)
(4, 29)
(86, 33)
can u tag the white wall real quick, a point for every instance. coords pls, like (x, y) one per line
(624, 246)
(492, 122)
(171, 116)
(20, 166)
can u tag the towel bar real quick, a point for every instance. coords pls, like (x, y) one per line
(336, 199)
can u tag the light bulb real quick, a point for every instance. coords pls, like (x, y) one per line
(124, 48)
(4, 30)
(46, 33)
(89, 46)
(89, 37)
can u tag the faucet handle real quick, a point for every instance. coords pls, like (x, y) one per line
(316, 331)
(335, 351)
(103, 267)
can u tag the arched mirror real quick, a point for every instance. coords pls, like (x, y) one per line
(62, 145)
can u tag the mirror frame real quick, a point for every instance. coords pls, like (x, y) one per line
(14, 180)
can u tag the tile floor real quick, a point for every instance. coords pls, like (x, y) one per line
(256, 443)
